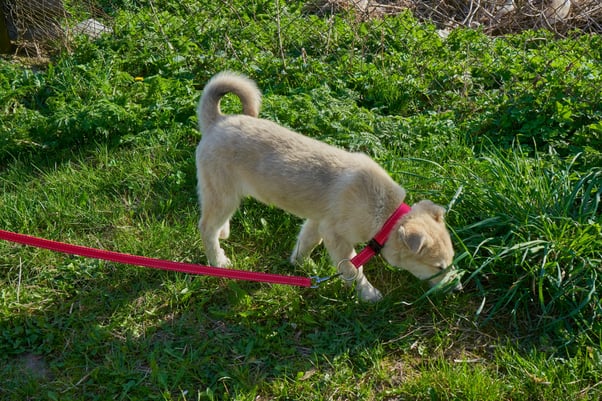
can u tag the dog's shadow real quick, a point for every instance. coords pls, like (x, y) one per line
(154, 331)
(170, 331)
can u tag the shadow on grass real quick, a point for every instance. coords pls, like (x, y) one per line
(93, 329)
(133, 333)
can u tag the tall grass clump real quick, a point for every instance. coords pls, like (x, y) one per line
(536, 245)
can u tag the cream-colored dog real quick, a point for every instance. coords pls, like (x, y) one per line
(344, 197)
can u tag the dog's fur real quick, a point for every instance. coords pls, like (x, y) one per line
(344, 197)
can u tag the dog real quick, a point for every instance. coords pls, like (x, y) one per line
(345, 198)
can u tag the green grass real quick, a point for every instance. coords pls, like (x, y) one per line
(504, 131)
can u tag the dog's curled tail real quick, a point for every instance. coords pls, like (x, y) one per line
(209, 111)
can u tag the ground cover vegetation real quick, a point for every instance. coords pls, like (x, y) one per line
(97, 149)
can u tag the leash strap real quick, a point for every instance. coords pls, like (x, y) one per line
(378, 241)
(128, 259)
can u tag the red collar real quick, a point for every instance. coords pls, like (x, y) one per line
(378, 241)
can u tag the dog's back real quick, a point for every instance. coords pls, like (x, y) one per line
(242, 155)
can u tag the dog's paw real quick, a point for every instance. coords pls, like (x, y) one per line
(222, 260)
(225, 262)
(369, 294)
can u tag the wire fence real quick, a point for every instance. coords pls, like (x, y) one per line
(36, 27)
(39, 27)
(493, 16)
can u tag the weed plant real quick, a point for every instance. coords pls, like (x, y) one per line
(97, 149)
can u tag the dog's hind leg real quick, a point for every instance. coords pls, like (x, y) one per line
(309, 238)
(214, 224)
(224, 232)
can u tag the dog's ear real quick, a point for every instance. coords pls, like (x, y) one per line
(413, 240)
(436, 211)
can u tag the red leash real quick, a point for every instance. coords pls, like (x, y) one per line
(157, 263)
(373, 248)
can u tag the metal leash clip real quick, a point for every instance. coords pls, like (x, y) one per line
(316, 280)
(355, 273)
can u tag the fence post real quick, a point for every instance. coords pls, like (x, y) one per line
(5, 46)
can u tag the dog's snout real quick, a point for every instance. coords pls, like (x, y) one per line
(448, 278)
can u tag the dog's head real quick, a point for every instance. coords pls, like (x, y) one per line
(421, 245)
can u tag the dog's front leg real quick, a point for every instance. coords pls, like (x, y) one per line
(341, 254)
